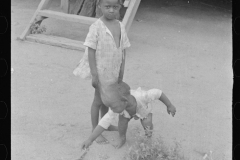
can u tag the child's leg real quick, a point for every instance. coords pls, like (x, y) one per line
(97, 102)
(112, 128)
(95, 109)
(122, 129)
(147, 125)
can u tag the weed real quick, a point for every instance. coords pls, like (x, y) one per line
(153, 149)
(37, 29)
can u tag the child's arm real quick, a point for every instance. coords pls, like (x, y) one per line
(154, 94)
(103, 124)
(120, 78)
(170, 108)
(96, 132)
(122, 129)
(93, 67)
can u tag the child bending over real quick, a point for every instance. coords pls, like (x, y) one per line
(130, 104)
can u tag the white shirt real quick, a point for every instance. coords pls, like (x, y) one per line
(144, 107)
(108, 56)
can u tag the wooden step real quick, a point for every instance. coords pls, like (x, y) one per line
(56, 41)
(67, 17)
(126, 3)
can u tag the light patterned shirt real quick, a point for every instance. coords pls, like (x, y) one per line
(108, 56)
(144, 107)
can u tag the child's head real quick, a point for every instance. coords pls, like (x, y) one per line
(115, 96)
(110, 8)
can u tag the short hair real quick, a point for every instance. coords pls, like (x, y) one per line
(115, 95)
(99, 1)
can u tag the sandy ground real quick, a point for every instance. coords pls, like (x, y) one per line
(183, 48)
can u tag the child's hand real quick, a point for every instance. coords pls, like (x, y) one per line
(121, 142)
(86, 144)
(95, 81)
(171, 109)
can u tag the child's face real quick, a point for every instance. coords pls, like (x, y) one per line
(119, 106)
(110, 8)
(131, 105)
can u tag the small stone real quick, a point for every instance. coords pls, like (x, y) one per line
(205, 156)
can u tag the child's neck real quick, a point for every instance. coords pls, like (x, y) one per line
(106, 20)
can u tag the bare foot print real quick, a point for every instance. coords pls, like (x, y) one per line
(101, 140)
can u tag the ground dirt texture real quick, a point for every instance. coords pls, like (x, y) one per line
(182, 47)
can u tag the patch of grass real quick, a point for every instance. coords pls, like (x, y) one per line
(37, 29)
(154, 149)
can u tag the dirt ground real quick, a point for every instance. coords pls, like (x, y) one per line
(183, 48)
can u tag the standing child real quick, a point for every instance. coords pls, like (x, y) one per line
(104, 57)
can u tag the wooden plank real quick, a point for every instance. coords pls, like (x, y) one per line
(67, 17)
(126, 3)
(65, 5)
(130, 13)
(44, 4)
(56, 41)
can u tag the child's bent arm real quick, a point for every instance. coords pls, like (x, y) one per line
(122, 125)
(92, 61)
(122, 129)
(170, 108)
(154, 94)
(163, 98)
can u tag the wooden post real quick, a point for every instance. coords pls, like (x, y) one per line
(65, 5)
(130, 13)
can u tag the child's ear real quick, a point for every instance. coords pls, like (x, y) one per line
(124, 99)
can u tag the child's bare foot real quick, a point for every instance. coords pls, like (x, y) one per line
(121, 142)
(101, 140)
(148, 132)
(112, 128)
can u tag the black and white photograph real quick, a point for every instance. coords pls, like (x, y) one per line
(121, 80)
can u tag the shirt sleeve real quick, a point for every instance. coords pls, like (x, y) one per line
(154, 94)
(107, 119)
(125, 114)
(125, 40)
(92, 37)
